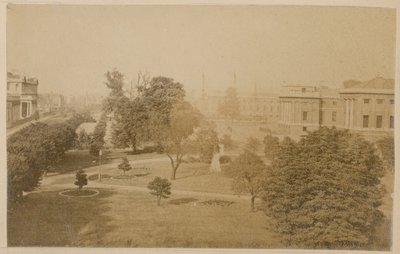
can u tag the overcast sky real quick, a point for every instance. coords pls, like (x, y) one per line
(69, 48)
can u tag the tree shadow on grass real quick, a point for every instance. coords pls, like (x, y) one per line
(48, 219)
(182, 201)
(81, 159)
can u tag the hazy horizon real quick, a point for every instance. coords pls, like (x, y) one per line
(69, 48)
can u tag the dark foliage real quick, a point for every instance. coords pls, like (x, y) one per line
(81, 179)
(33, 150)
(160, 187)
(324, 191)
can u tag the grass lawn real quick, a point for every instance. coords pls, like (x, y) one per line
(190, 176)
(132, 219)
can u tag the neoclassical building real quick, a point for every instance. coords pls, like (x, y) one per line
(21, 99)
(366, 107)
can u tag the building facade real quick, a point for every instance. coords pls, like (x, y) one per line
(21, 99)
(50, 102)
(364, 107)
(264, 107)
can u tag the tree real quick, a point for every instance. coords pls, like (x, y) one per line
(386, 148)
(177, 139)
(81, 179)
(248, 172)
(124, 165)
(160, 187)
(324, 191)
(130, 124)
(84, 139)
(115, 82)
(230, 107)
(34, 149)
(98, 136)
(206, 142)
(271, 146)
(252, 144)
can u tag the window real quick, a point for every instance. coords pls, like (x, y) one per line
(391, 101)
(334, 116)
(303, 90)
(379, 101)
(25, 109)
(304, 128)
(366, 101)
(321, 116)
(378, 121)
(305, 116)
(391, 122)
(334, 103)
(365, 121)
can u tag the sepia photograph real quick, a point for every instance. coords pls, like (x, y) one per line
(200, 126)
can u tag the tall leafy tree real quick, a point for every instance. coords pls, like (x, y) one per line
(230, 107)
(129, 128)
(248, 172)
(178, 138)
(115, 82)
(324, 191)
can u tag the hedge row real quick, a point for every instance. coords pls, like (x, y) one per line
(35, 149)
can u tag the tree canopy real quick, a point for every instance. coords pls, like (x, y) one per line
(324, 191)
(248, 172)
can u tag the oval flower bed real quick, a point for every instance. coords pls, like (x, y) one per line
(85, 193)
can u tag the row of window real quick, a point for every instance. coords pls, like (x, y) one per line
(333, 103)
(378, 123)
(305, 116)
(378, 101)
(379, 119)
(264, 108)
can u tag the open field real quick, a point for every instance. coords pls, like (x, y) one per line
(121, 218)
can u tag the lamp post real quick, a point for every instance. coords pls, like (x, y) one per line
(100, 153)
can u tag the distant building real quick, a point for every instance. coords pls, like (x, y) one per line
(21, 99)
(256, 106)
(50, 102)
(365, 107)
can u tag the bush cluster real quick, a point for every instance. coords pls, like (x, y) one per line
(34, 149)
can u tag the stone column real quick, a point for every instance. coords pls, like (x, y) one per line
(346, 119)
(351, 112)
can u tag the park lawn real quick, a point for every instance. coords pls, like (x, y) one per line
(190, 177)
(48, 219)
(121, 218)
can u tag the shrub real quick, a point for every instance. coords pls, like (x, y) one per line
(124, 165)
(224, 159)
(81, 179)
(160, 187)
